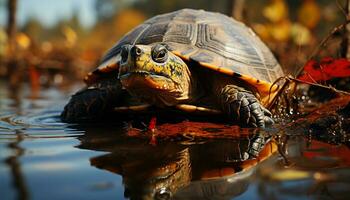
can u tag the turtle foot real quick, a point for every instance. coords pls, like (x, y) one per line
(92, 103)
(85, 105)
(244, 107)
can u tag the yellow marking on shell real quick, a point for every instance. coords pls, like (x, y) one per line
(108, 66)
(197, 109)
(132, 108)
(186, 57)
(266, 90)
(110, 62)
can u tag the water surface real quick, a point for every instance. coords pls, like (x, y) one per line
(43, 158)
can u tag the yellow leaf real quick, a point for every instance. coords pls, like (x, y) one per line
(276, 11)
(280, 31)
(70, 35)
(263, 31)
(300, 34)
(23, 40)
(309, 14)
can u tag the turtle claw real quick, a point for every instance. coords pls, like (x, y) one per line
(268, 121)
(243, 106)
(267, 117)
(259, 116)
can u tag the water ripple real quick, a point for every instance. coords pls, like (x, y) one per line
(41, 124)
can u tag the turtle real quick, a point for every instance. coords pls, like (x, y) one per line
(189, 60)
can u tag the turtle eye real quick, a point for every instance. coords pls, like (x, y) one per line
(159, 54)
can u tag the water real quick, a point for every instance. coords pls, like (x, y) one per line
(43, 158)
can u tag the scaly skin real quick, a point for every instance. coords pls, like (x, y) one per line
(93, 102)
(163, 83)
(243, 106)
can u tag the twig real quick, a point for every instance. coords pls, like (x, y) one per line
(325, 40)
(310, 77)
(313, 54)
(323, 43)
(289, 78)
(341, 9)
(285, 84)
(319, 85)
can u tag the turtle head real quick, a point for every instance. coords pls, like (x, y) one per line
(154, 74)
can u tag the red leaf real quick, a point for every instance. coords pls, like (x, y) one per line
(327, 69)
(152, 124)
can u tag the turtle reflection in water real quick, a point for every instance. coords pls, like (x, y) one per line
(189, 60)
(170, 170)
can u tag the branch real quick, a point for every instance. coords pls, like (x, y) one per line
(319, 85)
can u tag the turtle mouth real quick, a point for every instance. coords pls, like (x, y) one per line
(142, 79)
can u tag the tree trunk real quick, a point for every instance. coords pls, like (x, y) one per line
(11, 25)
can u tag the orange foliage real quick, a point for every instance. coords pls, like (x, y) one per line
(309, 14)
(106, 33)
(126, 20)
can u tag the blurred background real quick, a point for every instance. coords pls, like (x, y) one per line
(56, 42)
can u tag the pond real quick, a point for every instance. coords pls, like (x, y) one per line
(43, 158)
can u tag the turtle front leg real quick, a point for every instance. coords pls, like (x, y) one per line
(244, 107)
(92, 102)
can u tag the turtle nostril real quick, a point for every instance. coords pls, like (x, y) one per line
(136, 51)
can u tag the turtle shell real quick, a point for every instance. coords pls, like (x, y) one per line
(211, 39)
